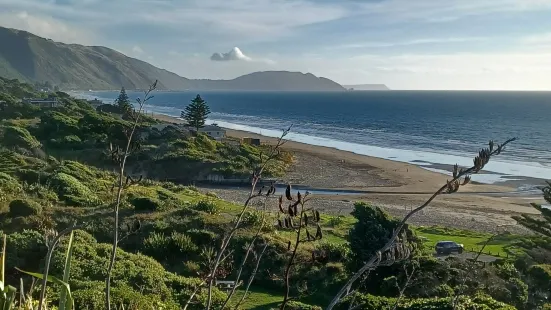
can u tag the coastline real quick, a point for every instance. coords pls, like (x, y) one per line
(394, 185)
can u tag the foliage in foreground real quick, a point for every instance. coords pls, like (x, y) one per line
(55, 170)
(478, 302)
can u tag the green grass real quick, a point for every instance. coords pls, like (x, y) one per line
(259, 300)
(472, 241)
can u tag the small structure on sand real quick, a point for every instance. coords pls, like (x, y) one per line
(251, 141)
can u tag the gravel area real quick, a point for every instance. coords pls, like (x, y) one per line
(322, 171)
(461, 219)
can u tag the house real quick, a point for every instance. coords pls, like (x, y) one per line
(214, 131)
(50, 102)
(95, 103)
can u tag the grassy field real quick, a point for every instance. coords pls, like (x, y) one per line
(336, 229)
(261, 300)
(501, 245)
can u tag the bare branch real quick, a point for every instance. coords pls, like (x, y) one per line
(406, 284)
(253, 275)
(249, 249)
(120, 187)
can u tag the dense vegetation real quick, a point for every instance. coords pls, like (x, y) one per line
(56, 168)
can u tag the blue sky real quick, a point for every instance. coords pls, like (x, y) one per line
(406, 44)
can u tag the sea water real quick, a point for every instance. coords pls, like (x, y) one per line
(419, 127)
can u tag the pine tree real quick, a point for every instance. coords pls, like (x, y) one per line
(541, 224)
(196, 112)
(124, 103)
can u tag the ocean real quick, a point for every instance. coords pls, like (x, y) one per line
(425, 128)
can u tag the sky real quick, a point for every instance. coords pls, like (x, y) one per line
(405, 44)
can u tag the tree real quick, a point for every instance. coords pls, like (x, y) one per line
(372, 230)
(124, 103)
(541, 224)
(196, 112)
(538, 251)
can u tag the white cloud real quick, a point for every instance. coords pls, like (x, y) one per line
(237, 55)
(45, 26)
(234, 55)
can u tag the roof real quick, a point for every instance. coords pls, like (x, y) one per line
(49, 99)
(211, 128)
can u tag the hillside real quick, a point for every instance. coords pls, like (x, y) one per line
(367, 87)
(271, 80)
(30, 58)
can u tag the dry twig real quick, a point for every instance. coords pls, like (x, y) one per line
(120, 156)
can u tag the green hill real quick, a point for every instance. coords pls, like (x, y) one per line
(30, 58)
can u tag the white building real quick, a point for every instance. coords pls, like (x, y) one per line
(214, 131)
(50, 102)
(95, 103)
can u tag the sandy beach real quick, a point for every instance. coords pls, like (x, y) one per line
(394, 185)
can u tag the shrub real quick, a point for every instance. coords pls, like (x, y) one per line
(201, 237)
(389, 286)
(9, 184)
(156, 243)
(77, 170)
(19, 137)
(24, 248)
(11, 161)
(191, 268)
(295, 305)
(478, 302)
(252, 218)
(443, 290)
(212, 195)
(20, 207)
(519, 292)
(334, 252)
(32, 176)
(171, 200)
(146, 277)
(541, 276)
(192, 188)
(72, 139)
(182, 243)
(72, 191)
(367, 301)
(146, 204)
(43, 192)
(335, 221)
(93, 298)
(207, 206)
(507, 271)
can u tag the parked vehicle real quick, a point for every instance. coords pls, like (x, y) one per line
(448, 247)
